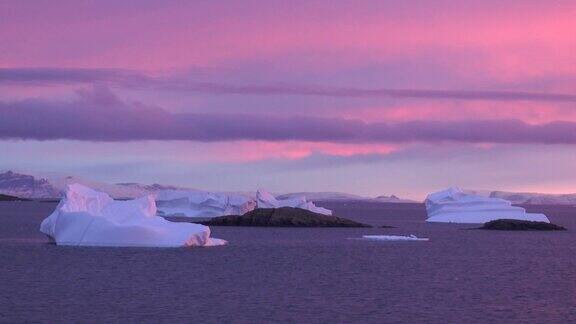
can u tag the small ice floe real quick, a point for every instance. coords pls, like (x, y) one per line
(394, 238)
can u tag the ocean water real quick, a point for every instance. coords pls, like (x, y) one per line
(296, 274)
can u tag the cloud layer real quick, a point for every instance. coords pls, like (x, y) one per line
(98, 115)
(254, 85)
(134, 79)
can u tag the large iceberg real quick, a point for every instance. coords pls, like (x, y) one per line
(455, 206)
(85, 217)
(213, 204)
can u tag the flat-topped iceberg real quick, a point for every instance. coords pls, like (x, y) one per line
(213, 204)
(85, 217)
(455, 206)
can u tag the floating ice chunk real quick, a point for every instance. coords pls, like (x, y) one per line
(394, 238)
(85, 217)
(455, 206)
(212, 241)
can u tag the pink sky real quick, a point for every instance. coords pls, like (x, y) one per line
(293, 95)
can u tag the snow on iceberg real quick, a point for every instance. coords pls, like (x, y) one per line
(85, 217)
(456, 206)
(266, 200)
(202, 204)
(394, 238)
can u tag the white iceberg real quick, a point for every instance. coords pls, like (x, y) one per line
(85, 217)
(394, 238)
(266, 200)
(456, 206)
(202, 204)
(213, 204)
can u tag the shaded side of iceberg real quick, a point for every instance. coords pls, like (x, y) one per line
(455, 206)
(85, 217)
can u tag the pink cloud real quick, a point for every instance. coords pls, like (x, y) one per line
(296, 82)
(247, 151)
(507, 40)
(529, 112)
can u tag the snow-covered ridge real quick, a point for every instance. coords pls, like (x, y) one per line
(535, 198)
(324, 196)
(86, 217)
(340, 196)
(391, 199)
(456, 206)
(528, 198)
(27, 186)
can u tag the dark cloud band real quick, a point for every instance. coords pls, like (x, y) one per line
(99, 116)
(133, 79)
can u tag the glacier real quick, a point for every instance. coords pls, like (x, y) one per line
(86, 217)
(453, 205)
(187, 203)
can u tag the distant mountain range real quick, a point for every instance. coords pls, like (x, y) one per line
(535, 198)
(528, 198)
(28, 186)
(340, 196)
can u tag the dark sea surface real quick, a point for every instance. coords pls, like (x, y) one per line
(296, 274)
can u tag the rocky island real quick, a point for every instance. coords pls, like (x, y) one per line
(520, 225)
(282, 217)
(11, 198)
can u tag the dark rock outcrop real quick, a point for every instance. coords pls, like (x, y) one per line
(282, 217)
(520, 225)
(11, 198)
